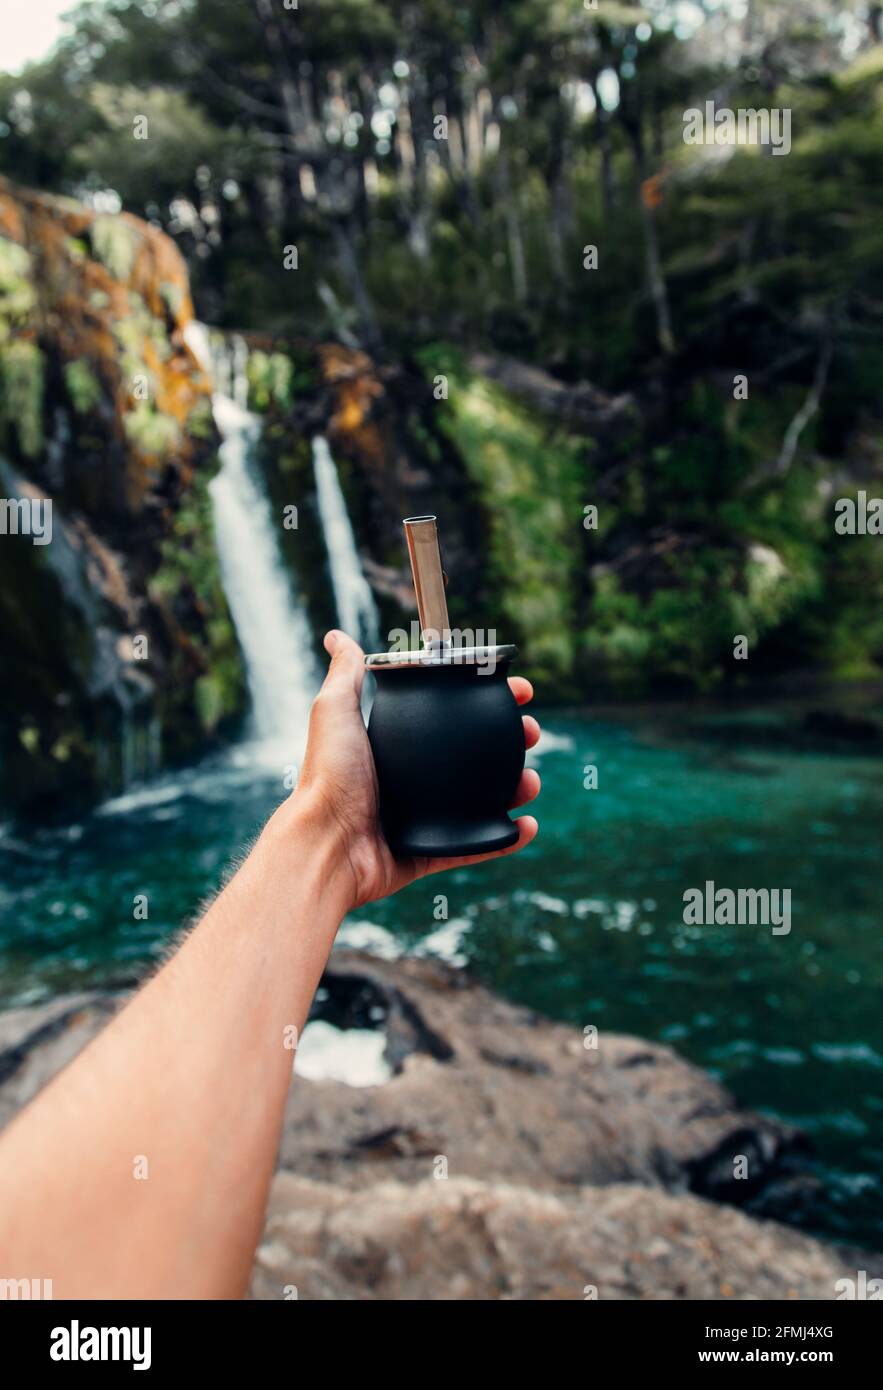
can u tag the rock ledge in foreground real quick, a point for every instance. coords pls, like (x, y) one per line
(566, 1168)
(464, 1239)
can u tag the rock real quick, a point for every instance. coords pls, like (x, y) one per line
(394, 460)
(501, 1160)
(580, 405)
(104, 411)
(104, 301)
(843, 727)
(468, 1239)
(504, 1094)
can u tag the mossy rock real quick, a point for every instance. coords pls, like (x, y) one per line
(21, 403)
(113, 244)
(17, 295)
(188, 581)
(150, 432)
(531, 480)
(270, 381)
(201, 421)
(82, 386)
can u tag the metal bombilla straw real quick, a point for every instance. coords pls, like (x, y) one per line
(429, 582)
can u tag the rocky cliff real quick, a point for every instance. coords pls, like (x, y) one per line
(118, 650)
(558, 530)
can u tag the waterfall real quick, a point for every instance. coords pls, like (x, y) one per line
(356, 610)
(271, 626)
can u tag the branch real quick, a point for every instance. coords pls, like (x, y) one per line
(242, 99)
(806, 411)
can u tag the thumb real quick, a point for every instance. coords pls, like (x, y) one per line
(347, 670)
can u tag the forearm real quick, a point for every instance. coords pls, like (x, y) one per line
(187, 1086)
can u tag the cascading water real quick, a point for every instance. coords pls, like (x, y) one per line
(273, 631)
(272, 628)
(356, 610)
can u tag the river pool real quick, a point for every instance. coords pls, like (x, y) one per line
(586, 925)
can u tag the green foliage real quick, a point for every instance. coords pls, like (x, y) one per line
(189, 572)
(153, 136)
(173, 296)
(150, 431)
(209, 692)
(713, 262)
(113, 243)
(82, 386)
(77, 248)
(21, 394)
(530, 480)
(270, 380)
(200, 421)
(17, 296)
(22, 369)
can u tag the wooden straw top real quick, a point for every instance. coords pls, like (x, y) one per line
(429, 579)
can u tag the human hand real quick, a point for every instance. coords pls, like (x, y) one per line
(339, 784)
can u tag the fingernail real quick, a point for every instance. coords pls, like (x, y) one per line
(331, 640)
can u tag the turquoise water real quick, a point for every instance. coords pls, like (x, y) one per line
(586, 925)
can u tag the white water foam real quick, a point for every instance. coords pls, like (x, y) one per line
(356, 610)
(272, 628)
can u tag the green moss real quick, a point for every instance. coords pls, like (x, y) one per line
(428, 443)
(17, 296)
(150, 431)
(131, 342)
(29, 737)
(61, 749)
(173, 297)
(276, 379)
(200, 421)
(77, 248)
(841, 619)
(113, 244)
(209, 696)
(21, 394)
(21, 361)
(532, 479)
(148, 327)
(137, 328)
(270, 380)
(189, 568)
(83, 387)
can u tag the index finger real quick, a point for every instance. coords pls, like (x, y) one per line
(521, 689)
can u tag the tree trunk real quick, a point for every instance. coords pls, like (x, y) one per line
(277, 48)
(560, 206)
(602, 125)
(633, 122)
(655, 278)
(517, 259)
(348, 263)
(304, 132)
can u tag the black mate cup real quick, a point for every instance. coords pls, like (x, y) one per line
(445, 731)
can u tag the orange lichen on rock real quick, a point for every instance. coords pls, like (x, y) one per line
(357, 388)
(111, 305)
(11, 224)
(105, 409)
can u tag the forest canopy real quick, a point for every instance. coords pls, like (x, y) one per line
(431, 181)
(440, 169)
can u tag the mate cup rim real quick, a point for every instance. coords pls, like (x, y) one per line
(450, 656)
